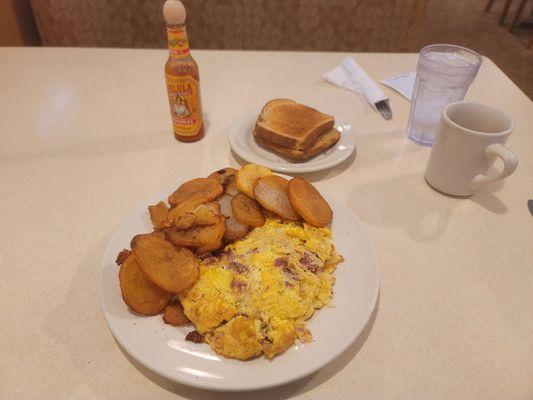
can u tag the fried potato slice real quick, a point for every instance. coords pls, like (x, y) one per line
(172, 269)
(247, 210)
(122, 256)
(231, 187)
(271, 192)
(202, 215)
(185, 221)
(191, 206)
(138, 292)
(158, 215)
(200, 190)
(269, 214)
(181, 210)
(309, 203)
(225, 205)
(174, 315)
(224, 175)
(160, 234)
(197, 236)
(235, 229)
(209, 247)
(247, 175)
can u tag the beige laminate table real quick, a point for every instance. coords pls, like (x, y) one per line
(85, 137)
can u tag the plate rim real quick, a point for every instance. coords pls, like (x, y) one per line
(200, 384)
(233, 131)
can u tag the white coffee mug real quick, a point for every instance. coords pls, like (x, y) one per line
(468, 140)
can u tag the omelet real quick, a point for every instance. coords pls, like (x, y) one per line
(254, 297)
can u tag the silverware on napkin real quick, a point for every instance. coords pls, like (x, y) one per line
(371, 90)
(383, 107)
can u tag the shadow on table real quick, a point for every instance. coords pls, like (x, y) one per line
(403, 202)
(282, 392)
(484, 195)
(408, 202)
(377, 147)
(486, 198)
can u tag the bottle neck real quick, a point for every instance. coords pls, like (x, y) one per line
(178, 44)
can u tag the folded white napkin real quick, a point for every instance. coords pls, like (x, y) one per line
(403, 84)
(351, 76)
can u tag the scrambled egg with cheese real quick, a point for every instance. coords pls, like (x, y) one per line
(255, 297)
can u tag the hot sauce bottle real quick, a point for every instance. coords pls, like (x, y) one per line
(182, 77)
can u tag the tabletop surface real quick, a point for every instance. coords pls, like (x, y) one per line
(85, 136)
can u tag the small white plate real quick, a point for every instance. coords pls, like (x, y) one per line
(243, 144)
(164, 350)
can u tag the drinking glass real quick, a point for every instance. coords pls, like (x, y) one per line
(443, 74)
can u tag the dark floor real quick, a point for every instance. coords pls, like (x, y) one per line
(463, 22)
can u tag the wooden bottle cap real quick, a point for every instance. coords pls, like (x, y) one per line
(174, 12)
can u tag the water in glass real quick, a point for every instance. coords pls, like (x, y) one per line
(443, 75)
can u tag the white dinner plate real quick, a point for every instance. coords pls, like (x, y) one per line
(163, 349)
(243, 144)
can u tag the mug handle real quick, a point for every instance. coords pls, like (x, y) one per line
(510, 161)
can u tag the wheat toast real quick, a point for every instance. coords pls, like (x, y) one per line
(289, 124)
(323, 142)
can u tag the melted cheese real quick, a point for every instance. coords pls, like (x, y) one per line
(255, 297)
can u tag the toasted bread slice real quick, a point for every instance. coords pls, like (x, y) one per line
(289, 124)
(323, 142)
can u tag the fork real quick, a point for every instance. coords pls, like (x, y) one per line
(370, 89)
(384, 109)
